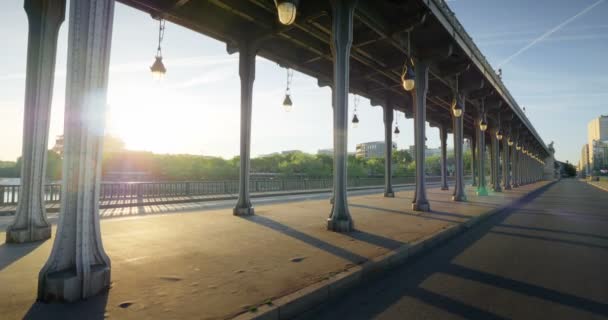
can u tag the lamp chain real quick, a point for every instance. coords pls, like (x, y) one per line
(289, 79)
(161, 35)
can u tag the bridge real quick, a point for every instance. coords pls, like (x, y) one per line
(411, 57)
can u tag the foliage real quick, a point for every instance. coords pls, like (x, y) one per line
(117, 160)
(569, 170)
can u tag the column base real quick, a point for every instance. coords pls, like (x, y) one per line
(421, 206)
(482, 192)
(247, 211)
(459, 198)
(445, 188)
(27, 235)
(390, 194)
(66, 285)
(499, 189)
(506, 187)
(340, 225)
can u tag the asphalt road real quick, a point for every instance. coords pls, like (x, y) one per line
(544, 258)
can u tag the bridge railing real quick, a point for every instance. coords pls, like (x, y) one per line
(9, 194)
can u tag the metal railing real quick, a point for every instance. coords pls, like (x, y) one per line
(9, 194)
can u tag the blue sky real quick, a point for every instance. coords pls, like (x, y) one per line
(561, 79)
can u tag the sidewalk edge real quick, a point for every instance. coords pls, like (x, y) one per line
(312, 296)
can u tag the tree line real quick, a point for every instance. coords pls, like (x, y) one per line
(196, 167)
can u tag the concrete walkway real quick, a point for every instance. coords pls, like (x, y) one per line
(212, 265)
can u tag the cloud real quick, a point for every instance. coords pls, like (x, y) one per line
(549, 33)
(581, 37)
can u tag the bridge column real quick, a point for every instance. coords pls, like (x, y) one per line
(524, 171)
(443, 136)
(45, 18)
(495, 161)
(421, 70)
(491, 158)
(474, 173)
(458, 131)
(78, 266)
(506, 177)
(388, 151)
(341, 41)
(514, 165)
(481, 155)
(247, 54)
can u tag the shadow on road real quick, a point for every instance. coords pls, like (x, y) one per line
(91, 309)
(376, 298)
(10, 253)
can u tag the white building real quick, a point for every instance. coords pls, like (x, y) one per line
(374, 149)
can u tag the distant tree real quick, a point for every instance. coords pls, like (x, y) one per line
(54, 164)
(569, 170)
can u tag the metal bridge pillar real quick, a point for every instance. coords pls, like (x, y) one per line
(247, 53)
(474, 173)
(341, 41)
(443, 136)
(481, 155)
(388, 151)
(495, 161)
(458, 123)
(45, 18)
(506, 177)
(78, 266)
(421, 70)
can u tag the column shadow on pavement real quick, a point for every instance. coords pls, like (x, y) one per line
(91, 309)
(510, 226)
(379, 295)
(11, 253)
(571, 242)
(310, 240)
(403, 212)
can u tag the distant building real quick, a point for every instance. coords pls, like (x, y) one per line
(428, 152)
(373, 149)
(327, 152)
(600, 155)
(290, 152)
(584, 165)
(597, 136)
(58, 147)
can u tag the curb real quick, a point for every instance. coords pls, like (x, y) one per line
(597, 185)
(310, 297)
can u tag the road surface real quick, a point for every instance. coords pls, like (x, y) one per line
(545, 258)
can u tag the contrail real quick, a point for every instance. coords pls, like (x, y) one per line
(548, 33)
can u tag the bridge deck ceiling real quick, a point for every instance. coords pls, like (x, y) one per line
(380, 47)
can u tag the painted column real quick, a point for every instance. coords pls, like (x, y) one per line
(78, 266)
(506, 177)
(44, 18)
(458, 125)
(388, 151)
(341, 41)
(443, 136)
(514, 165)
(481, 152)
(421, 70)
(495, 162)
(474, 173)
(491, 152)
(247, 53)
